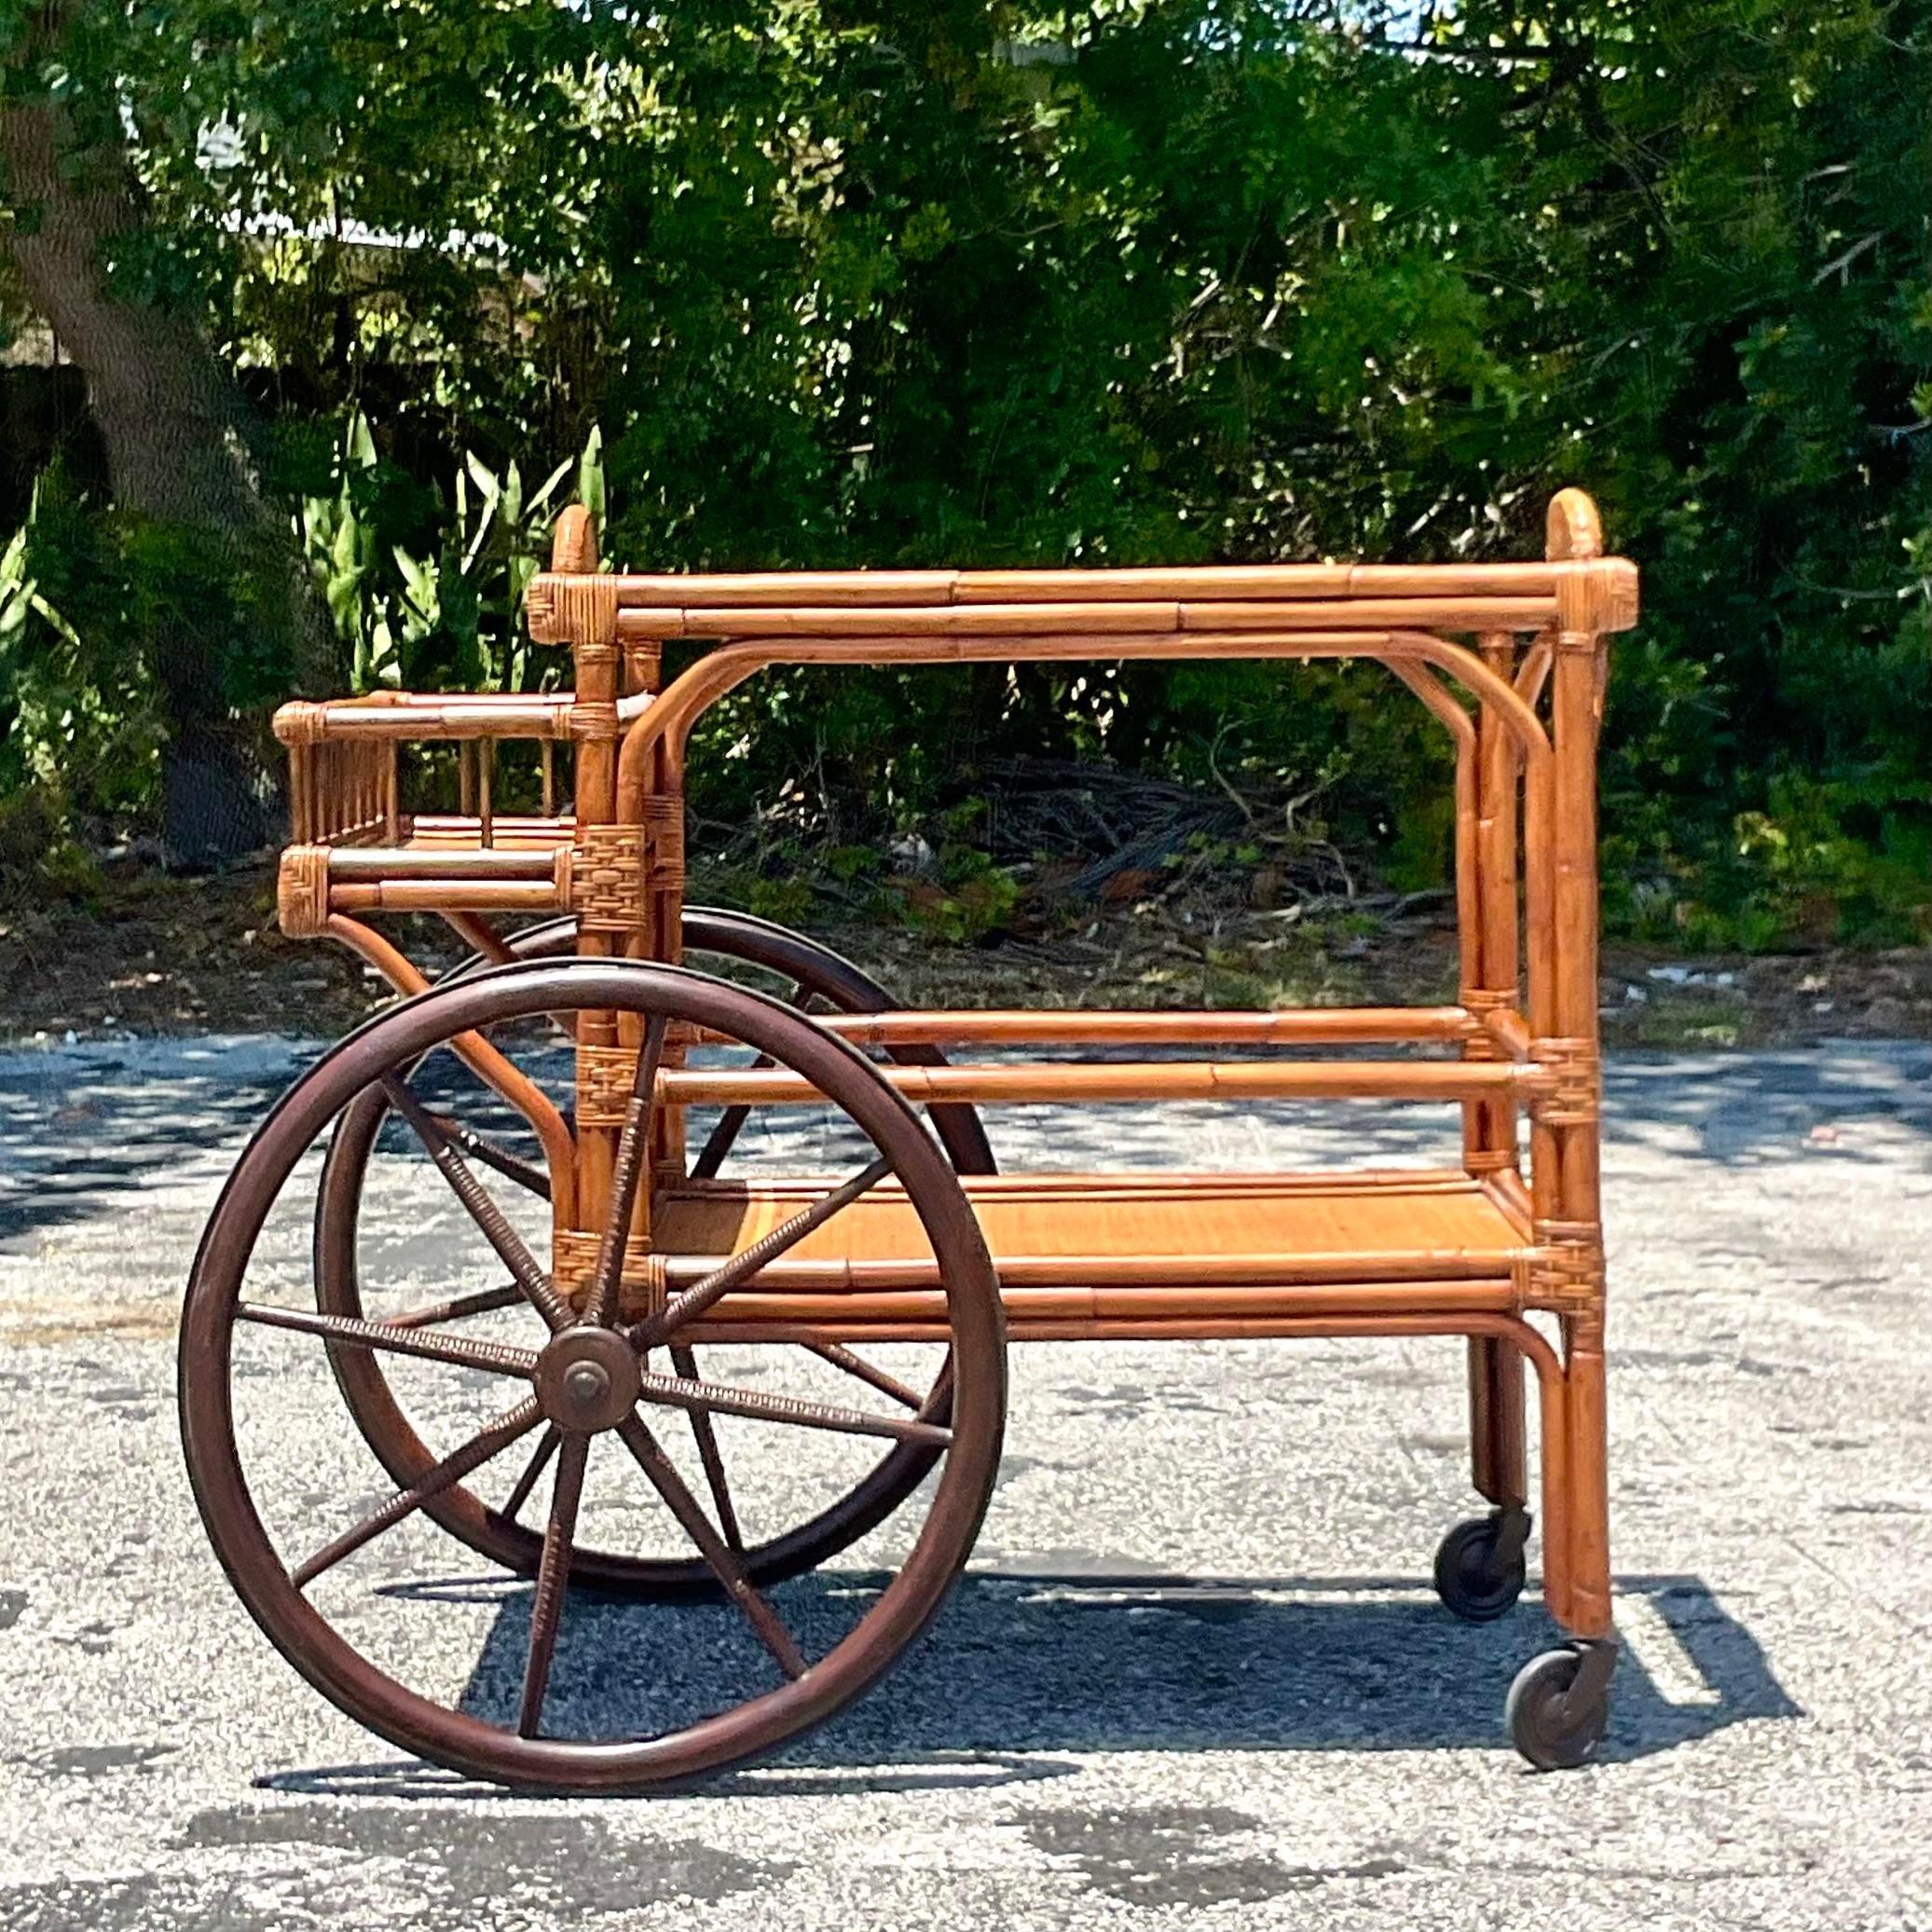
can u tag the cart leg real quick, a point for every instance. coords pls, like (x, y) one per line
(1558, 1705)
(1499, 1459)
(1480, 1568)
(1587, 1513)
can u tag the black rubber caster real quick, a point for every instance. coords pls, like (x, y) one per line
(1558, 1706)
(1479, 1567)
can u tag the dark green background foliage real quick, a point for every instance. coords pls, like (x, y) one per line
(926, 282)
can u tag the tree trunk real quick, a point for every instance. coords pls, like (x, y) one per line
(177, 433)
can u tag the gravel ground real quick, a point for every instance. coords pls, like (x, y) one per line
(1194, 1669)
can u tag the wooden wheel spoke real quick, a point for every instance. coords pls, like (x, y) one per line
(723, 1137)
(685, 1362)
(481, 1303)
(875, 1378)
(520, 1490)
(553, 1582)
(741, 1267)
(476, 1201)
(453, 1468)
(627, 1169)
(675, 1392)
(498, 1358)
(480, 1147)
(663, 1477)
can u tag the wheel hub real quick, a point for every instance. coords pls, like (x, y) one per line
(588, 1379)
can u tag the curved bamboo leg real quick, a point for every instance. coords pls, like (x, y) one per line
(1553, 1388)
(484, 1061)
(1499, 1446)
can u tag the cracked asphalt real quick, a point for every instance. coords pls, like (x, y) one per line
(1194, 1670)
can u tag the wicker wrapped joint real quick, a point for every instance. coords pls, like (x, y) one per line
(642, 1237)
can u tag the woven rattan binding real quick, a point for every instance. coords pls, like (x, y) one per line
(664, 842)
(574, 1252)
(1563, 1271)
(1574, 1096)
(302, 892)
(604, 1080)
(601, 878)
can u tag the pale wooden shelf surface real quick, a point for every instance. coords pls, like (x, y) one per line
(1160, 1229)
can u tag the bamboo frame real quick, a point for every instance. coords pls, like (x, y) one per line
(1509, 658)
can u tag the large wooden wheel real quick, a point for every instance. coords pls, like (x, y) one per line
(806, 975)
(315, 1562)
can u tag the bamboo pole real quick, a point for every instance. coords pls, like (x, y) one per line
(444, 895)
(485, 773)
(1258, 1302)
(385, 863)
(1155, 1026)
(392, 796)
(479, 934)
(1122, 1183)
(1499, 1452)
(301, 800)
(1206, 583)
(451, 718)
(1084, 623)
(588, 611)
(1577, 682)
(1063, 1082)
(852, 1284)
(1074, 1329)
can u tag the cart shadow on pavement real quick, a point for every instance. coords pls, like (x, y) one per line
(1020, 1663)
(87, 1126)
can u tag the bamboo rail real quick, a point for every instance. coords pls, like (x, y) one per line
(990, 1026)
(1123, 1284)
(1087, 620)
(463, 891)
(1233, 583)
(1063, 1082)
(1033, 1298)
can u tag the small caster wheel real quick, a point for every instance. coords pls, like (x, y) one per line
(1479, 1567)
(1556, 1720)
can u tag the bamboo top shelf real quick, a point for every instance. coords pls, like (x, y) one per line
(1205, 582)
(935, 604)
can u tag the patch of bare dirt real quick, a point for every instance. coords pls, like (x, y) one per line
(155, 955)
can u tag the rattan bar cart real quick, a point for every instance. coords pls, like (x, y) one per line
(710, 1225)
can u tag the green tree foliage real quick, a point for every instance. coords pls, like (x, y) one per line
(898, 281)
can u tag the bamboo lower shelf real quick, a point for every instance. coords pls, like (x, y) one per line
(1101, 1246)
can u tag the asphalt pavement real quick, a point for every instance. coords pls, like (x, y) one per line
(1194, 1670)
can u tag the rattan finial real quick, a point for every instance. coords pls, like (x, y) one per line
(1573, 531)
(573, 543)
